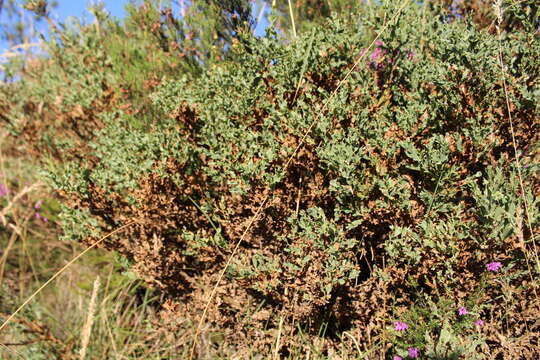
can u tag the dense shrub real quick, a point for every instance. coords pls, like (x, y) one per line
(404, 188)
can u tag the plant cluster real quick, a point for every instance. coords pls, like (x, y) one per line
(387, 172)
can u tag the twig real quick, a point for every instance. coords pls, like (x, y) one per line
(24, 191)
(299, 196)
(6, 253)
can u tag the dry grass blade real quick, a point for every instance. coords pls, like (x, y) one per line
(285, 167)
(5, 255)
(278, 340)
(87, 329)
(354, 341)
(292, 19)
(59, 272)
(15, 352)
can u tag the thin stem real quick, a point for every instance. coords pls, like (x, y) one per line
(292, 19)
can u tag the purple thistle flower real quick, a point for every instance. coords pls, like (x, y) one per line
(413, 352)
(3, 190)
(494, 266)
(462, 311)
(400, 326)
(479, 323)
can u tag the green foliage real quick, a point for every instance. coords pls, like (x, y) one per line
(439, 333)
(498, 207)
(309, 14)
(405, 165)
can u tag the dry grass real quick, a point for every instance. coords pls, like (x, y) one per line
(87, 329)
(121, 324)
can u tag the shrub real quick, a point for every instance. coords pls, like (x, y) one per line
(404, 186)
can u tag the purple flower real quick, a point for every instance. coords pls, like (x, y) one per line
(40, 217)
(3, 190)
(377, 59)
(413, 353)
(479, 323)
(397, 357)
(494, 266)
(376, 54)
(400, 326)
(37, 206)
(462, 311)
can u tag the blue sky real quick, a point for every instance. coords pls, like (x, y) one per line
(77, 8)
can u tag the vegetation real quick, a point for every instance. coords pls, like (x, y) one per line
(354, 184)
